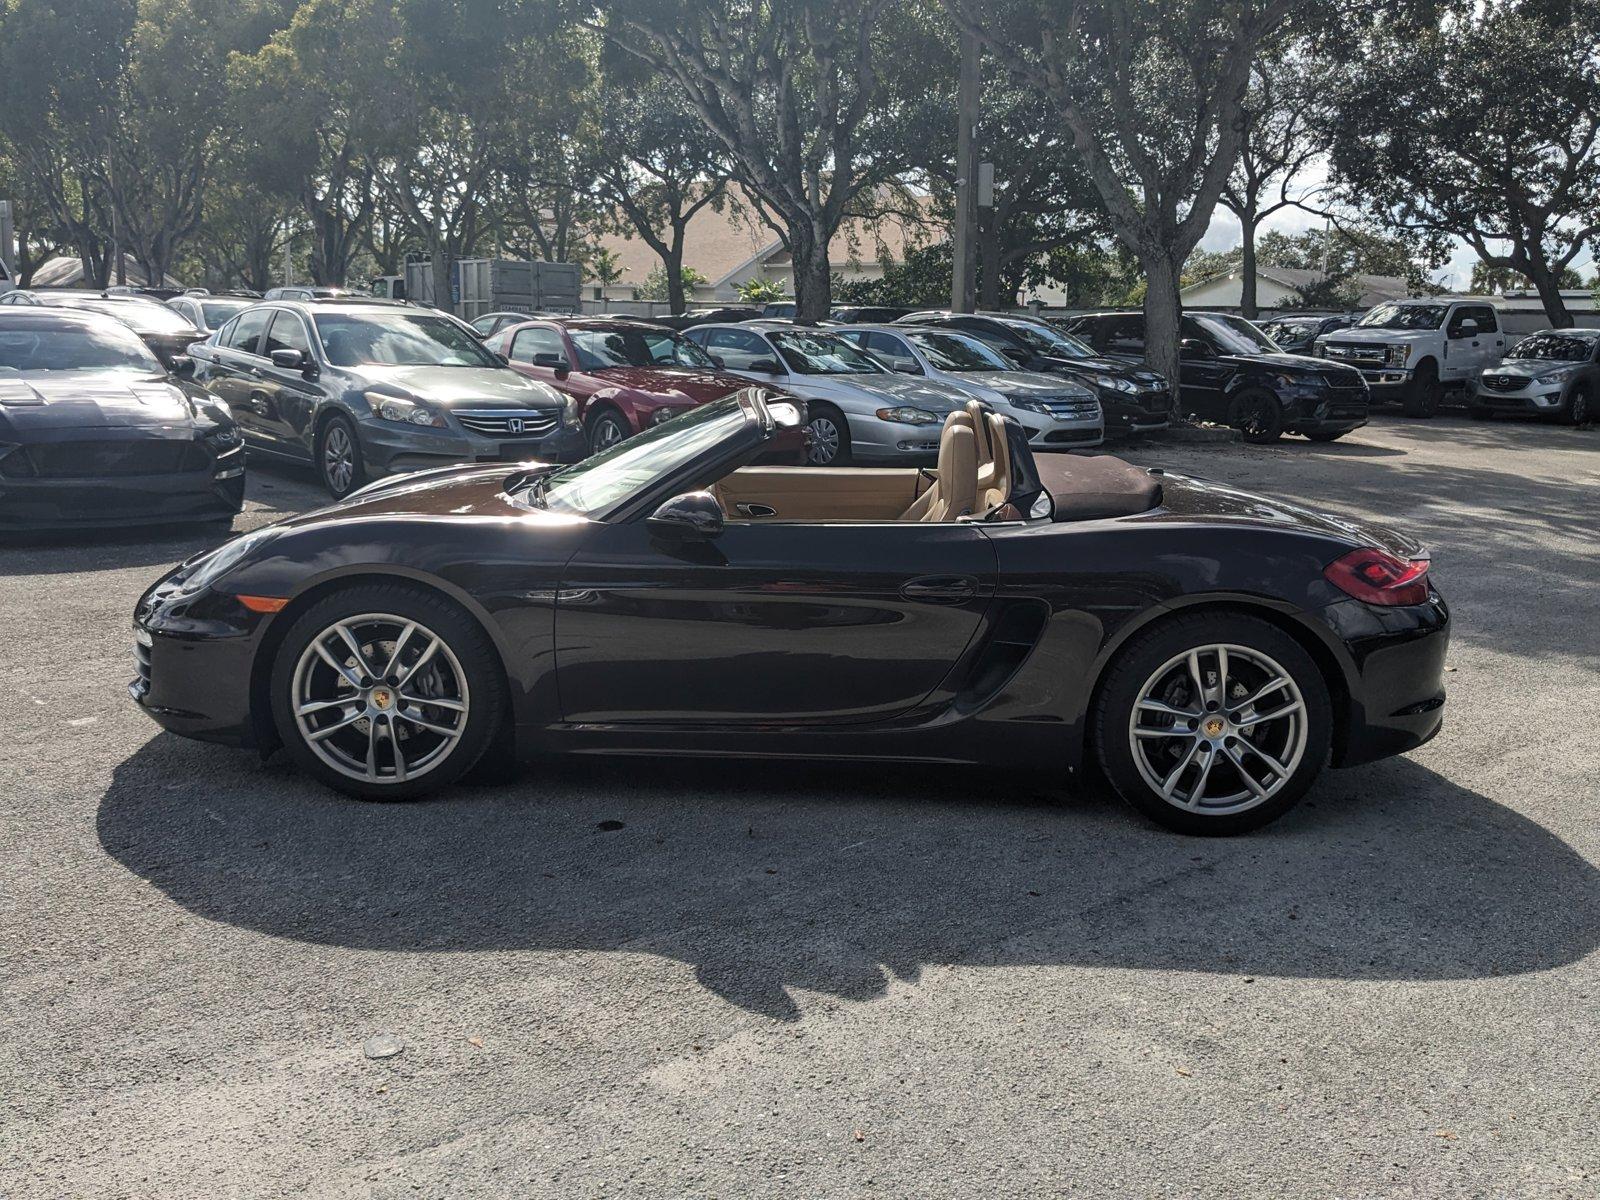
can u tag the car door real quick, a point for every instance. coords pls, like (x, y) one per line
(286, 400)
(235, 370)
(768, 623)
(1205, 376)
(739, 350)
(1490, 344)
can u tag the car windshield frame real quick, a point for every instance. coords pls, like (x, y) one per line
(1552, 339)
(131, 354)
(988, 358)
(805, 362)
(607, 484)
(1393, 315)
(1235, 334)
(460, 340)
(584, 337)
(1042, 339)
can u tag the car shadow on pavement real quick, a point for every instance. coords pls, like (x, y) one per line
(839, 880)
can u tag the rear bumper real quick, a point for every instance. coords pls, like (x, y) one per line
(1396, 700)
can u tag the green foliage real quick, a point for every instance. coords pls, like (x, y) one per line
(1488, 279)
(654, 286)
(760, 291)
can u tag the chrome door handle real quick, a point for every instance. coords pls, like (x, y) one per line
(756, 510)
(940, 588)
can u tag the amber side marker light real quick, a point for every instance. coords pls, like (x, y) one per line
(264, 604)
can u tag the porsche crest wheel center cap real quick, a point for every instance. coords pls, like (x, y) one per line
(1215, 726)
(382, 698)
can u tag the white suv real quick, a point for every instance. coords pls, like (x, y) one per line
(1412, 350)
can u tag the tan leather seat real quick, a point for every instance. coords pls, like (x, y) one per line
(934, 499)
(994, 485)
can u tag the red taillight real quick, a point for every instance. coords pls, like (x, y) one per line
(1380, 578)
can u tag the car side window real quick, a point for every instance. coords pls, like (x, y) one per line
(286, 333)
(1485, 318)
(892, 350)
(737, 348)
(537, 340)
(1126, 333)
(247, 330)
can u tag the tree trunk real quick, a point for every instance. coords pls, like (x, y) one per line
(672, 261)
(1162, 313)
(1247, 269)
(813, 275)
(1548, 285)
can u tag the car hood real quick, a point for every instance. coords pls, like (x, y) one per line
(475, 387)
(890, 388)
(1129, 366)
(1022, 383)
(1292, 364)
(1527, 368)
(674, 383)
(1191, 498)
(1381, 335)
(91, 400)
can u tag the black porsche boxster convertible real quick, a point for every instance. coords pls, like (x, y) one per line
(1208, 649)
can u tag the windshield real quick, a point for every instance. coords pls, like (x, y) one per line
(823, 354)
(1289, 330)
(75, 347)
(399, 340)
(1404, 316)
(137, 314)
(952, 352)
(1555, 347)
(635, 347)
(603, 480)
(219, 312)
(1235, 335)
(1041, 339)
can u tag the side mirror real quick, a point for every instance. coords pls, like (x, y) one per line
(693, 516)
(905, 366)
(556, 362)
(765, 366)
(717, 361)
(1195, 348)
(182, 366)
(288, 360)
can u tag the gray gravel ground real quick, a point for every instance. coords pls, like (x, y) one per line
(779, 981)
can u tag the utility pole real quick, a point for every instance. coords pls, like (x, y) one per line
(963, 279)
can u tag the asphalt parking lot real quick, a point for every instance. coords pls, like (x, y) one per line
(678, 979)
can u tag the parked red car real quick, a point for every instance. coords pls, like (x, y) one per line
(627, 375)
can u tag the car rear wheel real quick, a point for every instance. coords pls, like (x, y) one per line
(339, 457)
(1213, 724)
(1258, 415)
(606, 428)
(1425, 393)
(827, 436)
(386, 691)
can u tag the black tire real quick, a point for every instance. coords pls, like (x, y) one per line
(606, 428)
(1579, 408)
(1324, 436)
(1145, 656)
(483, 686)
(826, 428)
(1258, 415)
(330, 447)
(1424, 394)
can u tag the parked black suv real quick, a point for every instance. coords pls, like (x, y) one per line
(364, 389)
(1236, 375)
(1133, 398)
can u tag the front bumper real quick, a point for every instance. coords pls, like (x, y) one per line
(1541, 398)
(194, 658)
(1135, 412)
(389, 447)
(1396, 696)
(1326, 410)
(214, 492)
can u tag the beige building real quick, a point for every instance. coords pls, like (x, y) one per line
(1278, 288)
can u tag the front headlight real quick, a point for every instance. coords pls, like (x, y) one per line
(208, 570)
(1115, 384)
(1559, 375)
(403, 411)
(1397, 355)
(663, 415)
(569, 411)
(906, 415)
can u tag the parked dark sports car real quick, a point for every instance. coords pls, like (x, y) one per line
(94, 431)
(1209, 649)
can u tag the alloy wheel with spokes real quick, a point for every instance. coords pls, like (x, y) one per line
(606, 432)
(1218, 729)
(387, 690)
(340, 458)
(1213, 722)
(380, 698)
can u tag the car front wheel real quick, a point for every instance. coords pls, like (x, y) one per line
(1258, 415)
(1213, 724)
(606, 430)
(1424, 394)
(386, 691)
(1578, 410)
(339, 457)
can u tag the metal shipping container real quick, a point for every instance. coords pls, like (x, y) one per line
(484, 285)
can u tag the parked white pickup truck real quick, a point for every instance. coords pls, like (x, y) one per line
(1412, 350)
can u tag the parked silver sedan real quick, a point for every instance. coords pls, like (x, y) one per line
(1057, 413)
(1554, 373)
(858, 410)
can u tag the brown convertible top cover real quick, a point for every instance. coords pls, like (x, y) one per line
(1093, 487)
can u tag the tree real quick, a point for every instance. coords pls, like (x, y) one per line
(1506, 157)
(921, 281)
(603, 266)
(657, 286)
(1488, 280)
(1281, 137)
(657, 166)
(1153, 95)
(791, 88)
(760, 291)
